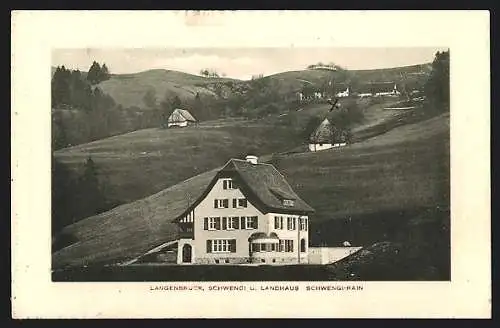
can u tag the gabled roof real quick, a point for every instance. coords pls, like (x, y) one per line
(323, 133)
(181, 115)
(259, 183)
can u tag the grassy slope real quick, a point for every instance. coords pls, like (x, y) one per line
(406, 167)
(140, 163)
(129, 89)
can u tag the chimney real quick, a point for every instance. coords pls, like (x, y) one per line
(252, 159)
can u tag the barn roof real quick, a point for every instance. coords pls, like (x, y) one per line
(323, 133)
(180, 115)
(263, 185)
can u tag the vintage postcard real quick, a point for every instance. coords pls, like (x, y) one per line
(311, 163)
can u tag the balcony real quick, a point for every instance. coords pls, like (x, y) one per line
(186, 230)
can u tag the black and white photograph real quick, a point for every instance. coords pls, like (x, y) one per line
(250, 164)
(221, 157)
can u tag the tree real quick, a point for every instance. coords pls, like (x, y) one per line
(104, 74)
(60, 87)
(176, 102)
(197, 107)
(311, 126)
(94, 74)
(90, 198)
(437, 87)
(149, 98)
(59, 137)
(62, 190)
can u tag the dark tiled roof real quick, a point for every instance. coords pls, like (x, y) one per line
(262, 184)
(264, 181)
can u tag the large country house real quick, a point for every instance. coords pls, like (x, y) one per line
(248, 214)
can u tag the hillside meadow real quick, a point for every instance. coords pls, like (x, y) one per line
(388, 185)
(137, 164)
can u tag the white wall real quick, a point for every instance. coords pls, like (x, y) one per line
(325, 255)
(317, 147)
(181, 124)
(206, 209)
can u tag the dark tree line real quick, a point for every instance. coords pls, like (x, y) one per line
(75, 195)
(98, 73)
(71, 89)
(437, 87)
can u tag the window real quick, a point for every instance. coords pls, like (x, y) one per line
(221, 203)
(303, 224)
(229, 223)
(288, 245)
(255, 247)
(302, 245)
(288, 202)
(235, 222)
(278, 222)
(228, 184)
(222, 245)
(240, 203)
(281, 246)
(212, 224)
(251, 222)
(291, 223)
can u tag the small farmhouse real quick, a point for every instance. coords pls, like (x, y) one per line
(181, 118)
(343, 94)
(248, 214)
(324, 138)
(378, 89)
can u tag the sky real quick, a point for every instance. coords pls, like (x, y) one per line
(240, 63)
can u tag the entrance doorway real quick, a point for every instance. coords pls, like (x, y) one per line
(187, 251)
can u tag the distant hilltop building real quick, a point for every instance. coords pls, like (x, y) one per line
(180, 118)
(324, 138)
(248, 214)
(321, 66)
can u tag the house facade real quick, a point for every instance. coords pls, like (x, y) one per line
(248, 214)
(343, 94)
(180, 118)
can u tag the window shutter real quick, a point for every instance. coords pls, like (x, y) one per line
(276, 225)
(242, 221)
(205, 223)
(232, 245)
(224, 223)
(236, 222)
(215, 203)
(244, 202)
(217, 223)
(226, 203)
(234, 202)
(209, 246)
(255, 222)
(224, 184)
